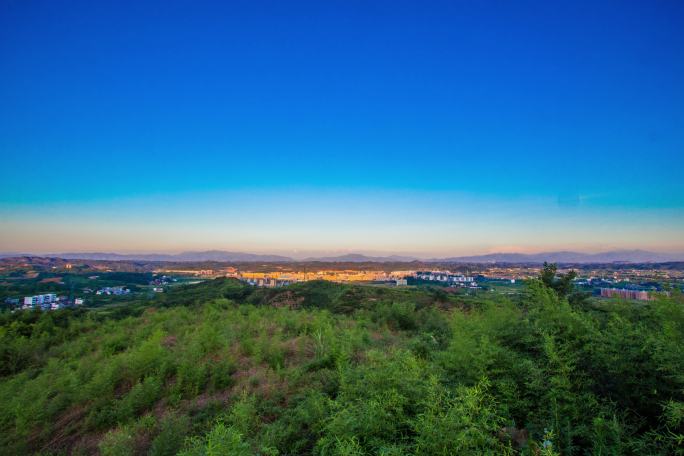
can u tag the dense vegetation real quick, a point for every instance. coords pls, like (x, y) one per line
(17, 284)
(326, 369)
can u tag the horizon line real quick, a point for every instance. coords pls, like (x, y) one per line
(314, 255)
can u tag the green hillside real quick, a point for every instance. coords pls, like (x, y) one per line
(220, 368)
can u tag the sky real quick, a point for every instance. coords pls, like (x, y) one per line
(423, 128)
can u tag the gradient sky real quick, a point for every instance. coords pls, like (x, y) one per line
(408, 127)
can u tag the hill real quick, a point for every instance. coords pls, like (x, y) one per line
(210, 255)
(617, 256)
(564, 257)
(328, 369)
(359, 258)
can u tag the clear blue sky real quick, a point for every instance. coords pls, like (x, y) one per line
(553, 124)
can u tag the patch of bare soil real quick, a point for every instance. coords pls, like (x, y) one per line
(287, 299)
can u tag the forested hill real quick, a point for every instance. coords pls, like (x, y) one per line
(220, 368)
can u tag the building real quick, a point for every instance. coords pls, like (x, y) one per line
(625, 294)
(41, 300)
(444, 277)
(117, 291)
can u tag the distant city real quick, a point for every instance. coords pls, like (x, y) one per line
(65, 283)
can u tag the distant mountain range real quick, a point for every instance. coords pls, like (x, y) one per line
(359, 258)
(616, 256)
(210, 255)
(220, 255)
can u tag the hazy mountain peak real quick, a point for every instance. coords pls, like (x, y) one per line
(622, 256)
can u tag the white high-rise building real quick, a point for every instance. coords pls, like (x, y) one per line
(38, 300)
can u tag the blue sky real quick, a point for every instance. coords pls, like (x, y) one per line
(448, 127)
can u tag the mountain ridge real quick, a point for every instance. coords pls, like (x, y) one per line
(208, 255)
(361, 258)
(612, 256)
(563, 256)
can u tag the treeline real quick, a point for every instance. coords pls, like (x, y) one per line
(328, 369)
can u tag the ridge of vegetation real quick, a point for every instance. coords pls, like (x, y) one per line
(329, 369)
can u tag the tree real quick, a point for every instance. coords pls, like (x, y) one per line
(560, 283)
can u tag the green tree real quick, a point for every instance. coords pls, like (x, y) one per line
(560, 283)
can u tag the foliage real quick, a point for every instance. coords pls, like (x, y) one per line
(330, 369)
(560, 283)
